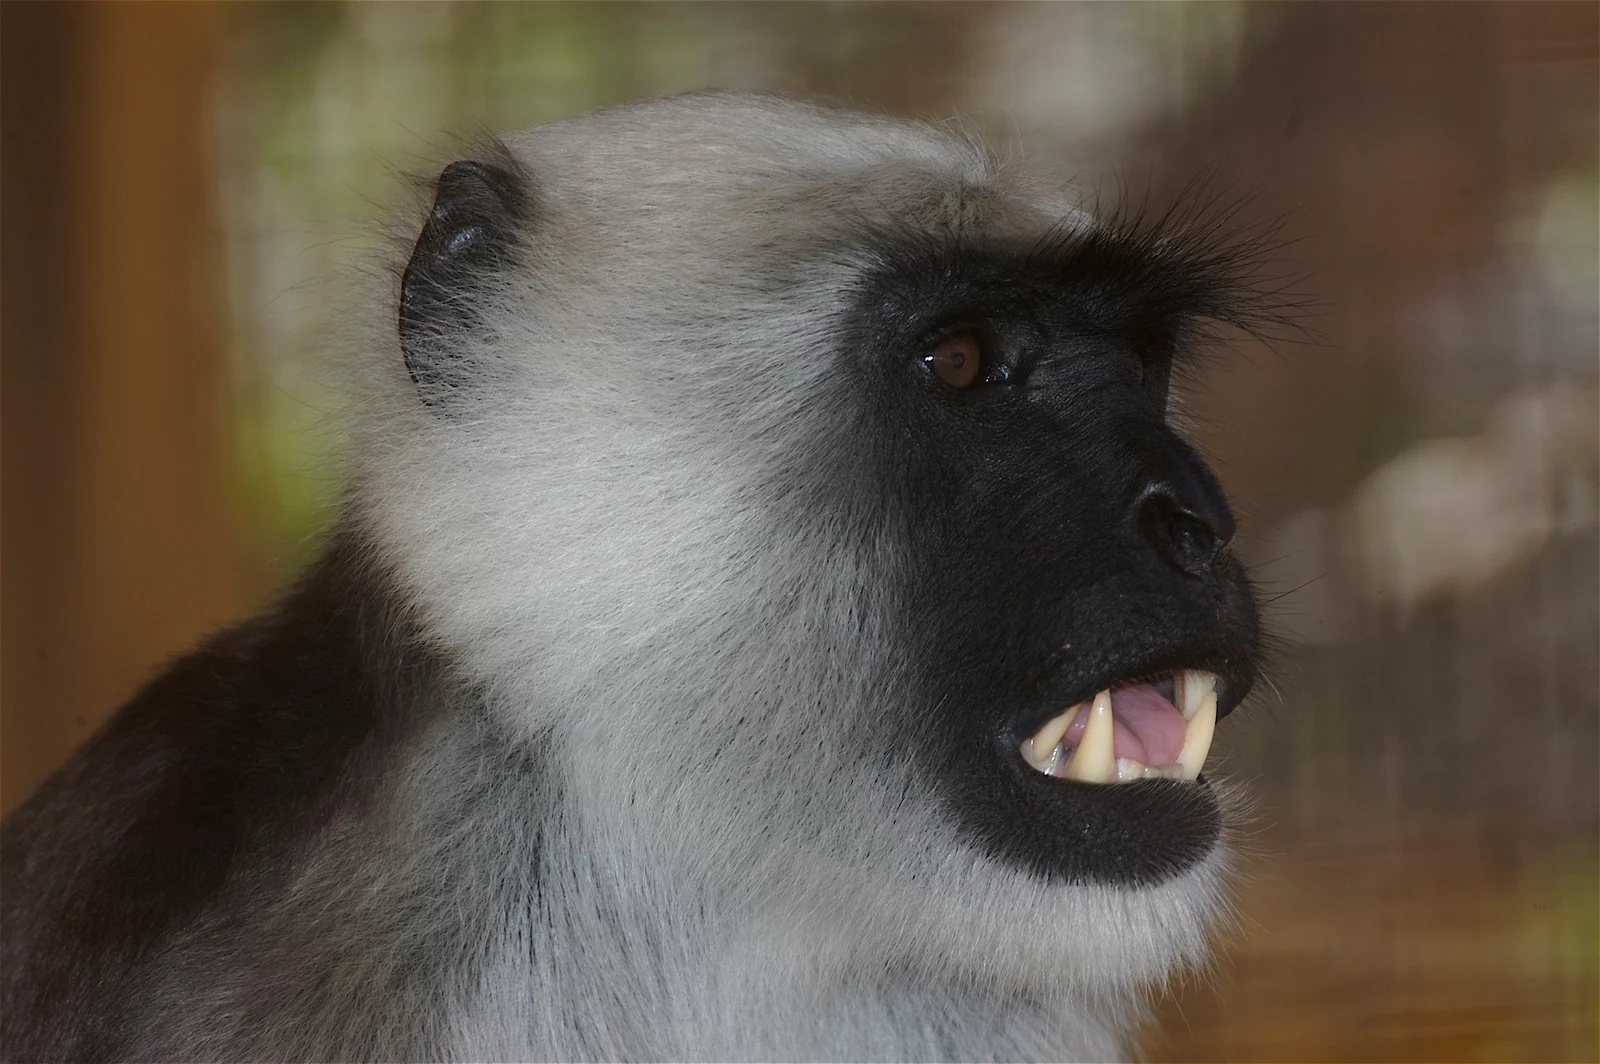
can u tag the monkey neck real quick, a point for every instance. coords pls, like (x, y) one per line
(475, 833)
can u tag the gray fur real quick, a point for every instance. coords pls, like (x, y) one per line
(665, 819)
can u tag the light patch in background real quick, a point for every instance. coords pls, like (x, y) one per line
(1442, 518)
(1568, 241)
(1092, 72)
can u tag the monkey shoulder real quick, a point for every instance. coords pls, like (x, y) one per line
(213, 781)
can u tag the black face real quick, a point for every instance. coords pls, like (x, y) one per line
(1065, 539)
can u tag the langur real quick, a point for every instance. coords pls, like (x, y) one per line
(771, 617)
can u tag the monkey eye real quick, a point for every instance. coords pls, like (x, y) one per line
(957, 359)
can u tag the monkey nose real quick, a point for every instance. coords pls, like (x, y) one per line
(1187, 535)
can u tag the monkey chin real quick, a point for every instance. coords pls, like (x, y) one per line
(1112, 943)
(1090, 949)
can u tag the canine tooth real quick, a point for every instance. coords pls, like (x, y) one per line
(1045, 740)
(1095, 760)
(1193, 686)
(1197, 739)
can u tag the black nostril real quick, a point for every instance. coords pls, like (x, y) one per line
(1187, 541)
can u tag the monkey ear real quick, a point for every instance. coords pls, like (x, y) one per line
(470, 236)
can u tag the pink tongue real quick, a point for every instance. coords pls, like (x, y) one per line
(1146, 727)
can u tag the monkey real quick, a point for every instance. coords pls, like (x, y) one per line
(772, 615)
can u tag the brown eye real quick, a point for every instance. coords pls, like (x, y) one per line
(958, 360)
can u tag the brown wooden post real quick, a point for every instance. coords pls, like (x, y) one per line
(119, 544)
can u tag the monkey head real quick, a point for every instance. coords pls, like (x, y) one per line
(801, 486)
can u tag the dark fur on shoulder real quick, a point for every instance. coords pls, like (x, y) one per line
(200, 793)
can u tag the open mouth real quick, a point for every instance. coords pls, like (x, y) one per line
(1109, 789)
(1132, 731)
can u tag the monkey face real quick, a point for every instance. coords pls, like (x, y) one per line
(1081, 623)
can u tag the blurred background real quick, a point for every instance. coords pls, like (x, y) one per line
(188, 187)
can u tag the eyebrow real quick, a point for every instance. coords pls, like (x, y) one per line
(1158, 277)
